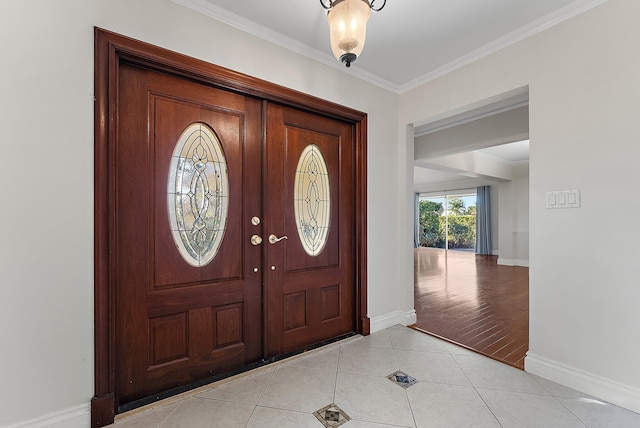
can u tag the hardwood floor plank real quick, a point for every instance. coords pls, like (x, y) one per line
(472, 301)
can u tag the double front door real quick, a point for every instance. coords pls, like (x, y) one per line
(232, 226)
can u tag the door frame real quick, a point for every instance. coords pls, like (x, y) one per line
(111, 50)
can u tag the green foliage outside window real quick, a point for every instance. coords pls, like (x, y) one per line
(462, 231)
(462, 224)
(430, 232)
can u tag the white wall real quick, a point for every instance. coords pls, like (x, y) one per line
(584, 102)
(521, 203)
(46, 220)
(514, 218)
(501, 128)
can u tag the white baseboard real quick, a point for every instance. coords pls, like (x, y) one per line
(513, 262)
(392, 318)
(72, 417)
(605, 389)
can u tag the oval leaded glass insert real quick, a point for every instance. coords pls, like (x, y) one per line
(311, 199)
(198, 194)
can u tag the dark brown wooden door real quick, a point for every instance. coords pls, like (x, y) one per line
(309, 297)
(163, 319)
(175, 322)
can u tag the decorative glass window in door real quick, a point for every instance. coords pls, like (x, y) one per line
(312, 201)
(198, 194)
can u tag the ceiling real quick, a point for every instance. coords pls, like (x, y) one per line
(409, 42)
(509, 155)
(517, 152)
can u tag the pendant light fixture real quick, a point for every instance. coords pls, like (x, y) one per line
(348, 26)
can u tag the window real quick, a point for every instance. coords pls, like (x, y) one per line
(197, 194)
(447, 221)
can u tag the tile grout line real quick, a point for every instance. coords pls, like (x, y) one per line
(476, 391)
(250, 416)
(487, 405)
(335, 384)
(570, 411)
(266, 385)
(255, 406)
(406, 394)
(172, 412)
(557, 399)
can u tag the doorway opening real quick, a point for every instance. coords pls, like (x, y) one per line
(474, 297)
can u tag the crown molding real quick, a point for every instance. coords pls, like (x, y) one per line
(569, 11)
(262, 32)
(535, 27)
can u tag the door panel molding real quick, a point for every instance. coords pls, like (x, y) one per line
(148, 132)
(293, 285)
(113, 50)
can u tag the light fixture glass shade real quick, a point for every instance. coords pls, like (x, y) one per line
(348, 28)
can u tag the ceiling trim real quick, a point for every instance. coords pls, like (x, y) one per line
(504, 99)
(472, 115)
(267, 34)
(569, 11)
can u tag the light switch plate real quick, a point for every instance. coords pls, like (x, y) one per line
(563, 199)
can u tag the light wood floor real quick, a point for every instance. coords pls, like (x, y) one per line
(470, 300)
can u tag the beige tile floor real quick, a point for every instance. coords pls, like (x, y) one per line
(455, 388)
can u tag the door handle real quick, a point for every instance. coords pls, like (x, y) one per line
(273, 238)
(256, 240)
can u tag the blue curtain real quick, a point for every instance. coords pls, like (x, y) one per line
(416, 221)
(483, 221)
